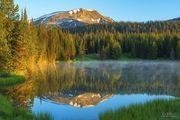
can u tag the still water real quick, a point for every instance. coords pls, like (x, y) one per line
(83, 90)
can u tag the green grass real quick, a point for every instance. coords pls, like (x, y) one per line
(10, 112)
(7, 79)
(128, 57)
(43, 116)
(88, 57)
(91, 57)
(124, 57)
(154, 110)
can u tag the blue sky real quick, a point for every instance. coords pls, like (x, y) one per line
(119, 10)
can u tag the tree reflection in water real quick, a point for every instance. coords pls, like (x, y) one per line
(65, 82)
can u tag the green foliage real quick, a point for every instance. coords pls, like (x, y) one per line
(54, 45)
(150, 40)
(10, 112)
(42, 35)
(155, 110)
(153, 51)
(16, 41)
(5, 51)
(130, 27)
(89, 57)
(5, 54)
(23, 44)
(43, 116)
(9, 9)
(115, 50)
(178, 51)
(7, 79)
(69, 47)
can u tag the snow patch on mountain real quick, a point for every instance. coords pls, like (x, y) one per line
(79, 19)
(64, 21)
(89, 10)
(96, 20)
(74, 11)
(73, 18)
(46, 17)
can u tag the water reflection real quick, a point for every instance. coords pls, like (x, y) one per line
(109, 78)
(67, 112)
(86, 84)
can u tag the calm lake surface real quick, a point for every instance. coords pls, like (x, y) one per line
(83, 90)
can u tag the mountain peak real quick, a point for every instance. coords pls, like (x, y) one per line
(73, 18)
(75, 11)
(175, 19)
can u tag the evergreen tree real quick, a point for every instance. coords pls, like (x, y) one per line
(80, 50)
(43, 37)
(153, 51)
(178, 51)
(10, 10)
(116, 51)
(5, 54)
(52, 49)
(22, 43)
(33, 44)
(69, 47)
(5, 51)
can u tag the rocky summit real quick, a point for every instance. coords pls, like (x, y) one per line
(73, 18)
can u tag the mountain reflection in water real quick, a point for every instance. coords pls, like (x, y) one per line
(86, 84)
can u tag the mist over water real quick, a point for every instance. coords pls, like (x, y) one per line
(73, 90)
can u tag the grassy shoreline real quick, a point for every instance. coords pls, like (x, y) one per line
(125, 57)
(154, 110)
(10, 112)
(10, 79)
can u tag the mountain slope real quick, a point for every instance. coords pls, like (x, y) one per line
(83, 100)
(73, 18)
(175, 19)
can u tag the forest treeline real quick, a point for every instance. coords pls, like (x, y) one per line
(22, 43)
(109, 41)
(131, 27)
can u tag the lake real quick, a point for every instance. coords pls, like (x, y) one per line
(83, 90)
